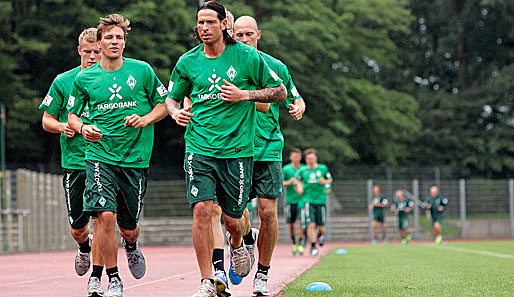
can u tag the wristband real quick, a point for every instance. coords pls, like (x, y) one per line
(81, 129)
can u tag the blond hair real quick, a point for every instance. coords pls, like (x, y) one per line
(113, 20)
(89, 35)
(310, 151)
(230, 20)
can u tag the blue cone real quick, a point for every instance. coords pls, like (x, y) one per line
(341, 252)
(318, 286)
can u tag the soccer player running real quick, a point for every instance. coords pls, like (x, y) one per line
(403, 207)
(437, 205)
(125, 98)
(223, 78)
(312, 185)
(269, 143)
(55, 120)
(293, 198)
(377, 205)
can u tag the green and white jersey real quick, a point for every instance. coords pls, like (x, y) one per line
(112, 96)
(220, 129)
(378, 199)
(72, 148)
(269, 141)
(288, 172)
(436, 202)
(400, 206)
(313, 191)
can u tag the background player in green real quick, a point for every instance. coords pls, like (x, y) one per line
(125, 98)
(55, 120)
(219, 76)
(312, 185)
(377, 205)
(293, 198)
(403, 207)
(269, 143)
(437, 205)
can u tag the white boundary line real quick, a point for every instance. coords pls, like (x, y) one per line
(161, 279)
(480, 252)
(30, 281)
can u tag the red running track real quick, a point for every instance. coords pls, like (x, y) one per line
(171, 271)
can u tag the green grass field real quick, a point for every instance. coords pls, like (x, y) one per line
(453, 269)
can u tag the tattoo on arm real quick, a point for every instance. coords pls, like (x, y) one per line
(268, 95)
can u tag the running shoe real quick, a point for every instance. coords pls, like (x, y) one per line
(438, 239)
(294, 249)
(83, 260)
(321, 239)
(115, 288)
(206, 289)
(314, 251)
(240, 259)
(136, 261)
(260, 285)
(221, 283)
(234, 278)
(251, 247)
(300, 249)
(94, 287)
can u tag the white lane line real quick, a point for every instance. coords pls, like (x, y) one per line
(480, 252)
(30, 281)
(161, 279)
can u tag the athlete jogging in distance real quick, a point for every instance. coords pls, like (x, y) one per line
(293, 199)
(403, 207)
(377, 205)
(55, 120)
(312, 183)
(220, 76)
(437, 205)
(269, 143)
(125, 99)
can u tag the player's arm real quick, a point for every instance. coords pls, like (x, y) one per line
(180, 115)
(90, 132)
(262, 107)
(299, 187)
(51, 124)
(231, 93)
(393, 207)
(158, 113)
(290, 181)
(187, 102)
(297, 109)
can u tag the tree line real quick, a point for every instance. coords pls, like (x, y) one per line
(386, 82)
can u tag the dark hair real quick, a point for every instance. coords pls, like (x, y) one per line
(222, 14)
(296, 150)
(310, 151)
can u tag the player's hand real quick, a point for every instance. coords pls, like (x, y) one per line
(135, 121)
(440, 208)
(295, 112)
(68, 131)
(370, 207)
(231, 93)
(321, 181)
(182, 116)
(91, 133)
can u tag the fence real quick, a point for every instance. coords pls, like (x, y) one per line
(33, 215)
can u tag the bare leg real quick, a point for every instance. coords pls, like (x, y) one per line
(268, 231)
(130, 236)
(384, 231)
(202, 236)
(437, 229)
(236, 228)
(311, 232)
(217, 230)
(106, 237)
(98, 260)
(80, 235)
(374, 228)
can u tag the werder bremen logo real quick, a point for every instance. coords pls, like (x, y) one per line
(115, 90)
(231, 72)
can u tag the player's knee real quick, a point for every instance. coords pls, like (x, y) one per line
(127, 234)
(202, 211)
(106, 219)
(268, 214)
(81, 232)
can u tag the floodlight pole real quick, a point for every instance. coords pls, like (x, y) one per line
(370, 193)
(415, 192)
(511, 207)
(462, 207)
(2, 154)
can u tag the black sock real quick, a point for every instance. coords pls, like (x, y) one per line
(97, 271)
(218, 259)
(262, 269)
(85, 247)
(248, 238)
(313, 245)
(293, 239)
(130, 247)
(112, 273)
(209, 279)
(301, 240)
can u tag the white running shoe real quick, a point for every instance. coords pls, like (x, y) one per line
(115, 288)
(240, 259)
(221, 284)
(260, 285)
(251, 247)
(94, 287)
(206, 289)
(83, 260)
